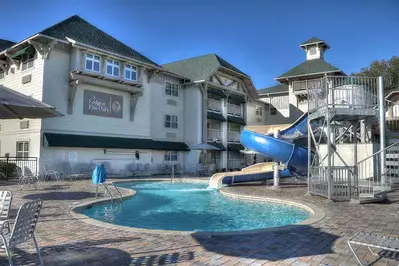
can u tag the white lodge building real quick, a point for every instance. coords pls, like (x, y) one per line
(119, 106)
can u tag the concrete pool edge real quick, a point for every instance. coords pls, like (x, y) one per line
(77, 212)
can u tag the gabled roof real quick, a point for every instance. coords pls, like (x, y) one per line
(279, 88)
(313, 40)
(4, 44)
(310, 67)
(81, 31)
(201, 67)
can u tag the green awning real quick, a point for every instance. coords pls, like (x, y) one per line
(235, 98)
(216, 116)
(170, 146)
(236, 119)
(216, 92)
(27, 50)
(218, 145)
(235, 147)
(84, 141)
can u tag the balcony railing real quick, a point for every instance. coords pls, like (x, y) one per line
(214, 134)
(214, 105)
(233, 109)
(305, 84)
(233, 136)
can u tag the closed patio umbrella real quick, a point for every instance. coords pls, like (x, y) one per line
(15, 105)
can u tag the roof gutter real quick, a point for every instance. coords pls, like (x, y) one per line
(82, 45)
(304, 75)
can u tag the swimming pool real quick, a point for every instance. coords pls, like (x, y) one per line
(192, 207)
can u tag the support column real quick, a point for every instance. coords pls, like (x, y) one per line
(329, 171)
(363, 132)
(355, 170)
(204, 112)
(381, 103)
(223, 158)
(276, 168)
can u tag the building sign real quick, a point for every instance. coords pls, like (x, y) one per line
(102, 104)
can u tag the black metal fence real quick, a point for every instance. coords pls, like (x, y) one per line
(9, 166)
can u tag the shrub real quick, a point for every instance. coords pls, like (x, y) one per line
(9, 168)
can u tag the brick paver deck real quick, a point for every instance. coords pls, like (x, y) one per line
(68, 241)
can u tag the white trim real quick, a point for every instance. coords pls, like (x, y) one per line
(99, 50)
(93, 60)
(172, 89)
(131, 69)
(114, 65)
(170, 154)
(171, 121)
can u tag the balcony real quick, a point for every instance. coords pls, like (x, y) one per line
(303, 85)
(233, 136)
(214, 105)
(214, 134)
(234, 110)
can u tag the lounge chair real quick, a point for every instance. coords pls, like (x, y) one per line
(23, 230)
(48, 173)
(5, 205)
(373, 240)
(67, 171)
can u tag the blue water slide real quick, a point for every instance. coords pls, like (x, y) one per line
(279, 149)
(298, 128)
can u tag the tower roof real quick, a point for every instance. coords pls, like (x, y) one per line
(314, 40)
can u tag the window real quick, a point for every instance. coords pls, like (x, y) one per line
(130, 72)
(27, 61)
(93, 62)
(22, 149)
(273, 111)
(259, 110)
(2, 74)
(171, 156)
(171, 121)
(112, 68)
(172, 89)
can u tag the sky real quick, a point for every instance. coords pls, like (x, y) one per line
(260, 37)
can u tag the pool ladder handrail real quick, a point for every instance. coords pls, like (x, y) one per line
(105, 185)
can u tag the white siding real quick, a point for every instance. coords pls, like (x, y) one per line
(254, 119)
(10, 129)
(193, 121)
(56, 93)
(162, 104)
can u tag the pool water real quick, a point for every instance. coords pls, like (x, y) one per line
(192, 207)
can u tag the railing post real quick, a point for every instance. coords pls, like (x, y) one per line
(381, 99)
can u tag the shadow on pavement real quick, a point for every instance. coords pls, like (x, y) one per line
(296, 241)
(60, 195)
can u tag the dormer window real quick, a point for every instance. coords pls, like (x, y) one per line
(112, 68)
(130, 72)
(92, 62)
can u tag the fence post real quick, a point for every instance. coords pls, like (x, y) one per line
(7, 166)
(381, 98)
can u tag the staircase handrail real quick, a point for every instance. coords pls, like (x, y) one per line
(378, 152)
